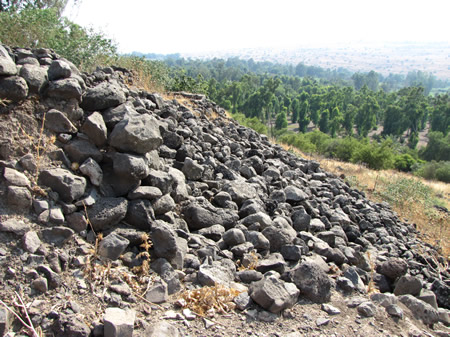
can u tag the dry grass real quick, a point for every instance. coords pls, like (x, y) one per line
(413, 198)
(209, 300)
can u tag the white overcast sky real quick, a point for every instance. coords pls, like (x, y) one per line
(169, 26)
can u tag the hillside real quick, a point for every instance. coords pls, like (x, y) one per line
(126, 213)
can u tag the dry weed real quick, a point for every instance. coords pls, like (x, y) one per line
(209, 300)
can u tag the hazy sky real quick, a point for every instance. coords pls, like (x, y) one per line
(168, 26)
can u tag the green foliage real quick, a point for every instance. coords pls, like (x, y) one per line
(281, 121)
(434, 171)
(44, 28)
(438, 147)
(253, 123)
(183, 82)
(404, 162)
(376, 156)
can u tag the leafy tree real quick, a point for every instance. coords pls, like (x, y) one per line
(365, 117)
(438, 147)
(335, 121)
(281, 121)
(295, 106)
(349, 119)
(324, 121)
(440, 114)
(303, 117)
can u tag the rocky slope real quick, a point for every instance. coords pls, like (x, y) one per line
(126, 213)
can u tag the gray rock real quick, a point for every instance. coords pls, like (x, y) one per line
(420, 309)
(28, 162)
(145, 192)
(192, 170)
(160, 179)
(233, 237)
(139, 134)
(157, 293)
(104, 95)
(31, 242)
(16, 178)
(7, 65)
(68, 88)
(209, 275)
(57, 122)
(93, 170)
(112, 246)
(95, 128)
(162, 329)
(428, 297)
(408, 284)
(119, 322)
(131, 165)
(68, 186)
(258, 240)
(15, 226)
(13, 88)
(79, 150)
(53, 279)
(330, 310)
(259, 219)
(215, 232)
(279, 234)
(77, 221)
(249, 275)
(292, 252)
(40, 284)
(240, 191)
(70, 326)
(35, 76)
(19, 198)
(59, 70)
(242, 301)
(166, 243)
(273, 262)
(198, 217)
(57, 235)
(384, 299)
(274, 294)
(163, 204)
(168, 274)
(179, 188)
(367, 309)
(352, 274)
(113, 116)
(140, 214)
(442, 292)
(107, 212)
(316, 225)
(394, 310)
(393, 268)
(300, 220)
(53, 215)
(294, 194)
(312, 281)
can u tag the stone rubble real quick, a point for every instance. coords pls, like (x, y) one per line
(220, 203)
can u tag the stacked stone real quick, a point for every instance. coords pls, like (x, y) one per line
(209, 192)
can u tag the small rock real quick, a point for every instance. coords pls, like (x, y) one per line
(40, 284)
(394, 310)
(408, 284)
(112, 246)
(119, 322)
(322, 321)
(329, 309)
(15, 226)
(31, 242)
(367, 309)
(157, 293)
(162, 329)
(19, 198)
(16, 178)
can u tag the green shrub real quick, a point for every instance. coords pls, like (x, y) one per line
(404, 162)
(434, 171)
(44, 28)
(343, 149)
(376, 156)
(253, 123)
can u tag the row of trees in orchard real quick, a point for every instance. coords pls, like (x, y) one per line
(338, 115)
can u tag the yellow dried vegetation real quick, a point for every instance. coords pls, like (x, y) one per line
(412, 198)
(209, 301)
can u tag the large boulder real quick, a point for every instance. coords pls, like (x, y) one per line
(35, 76)
(14, 88)
(69, 186)
(7, 65)
(198, 216)
(66, 88)
(312, 281)
(139, 134)
(103, 96)
(274, 294)
(107, 212)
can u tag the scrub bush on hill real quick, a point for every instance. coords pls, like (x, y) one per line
(45, 28)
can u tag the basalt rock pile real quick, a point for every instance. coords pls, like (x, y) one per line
(219, 202)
